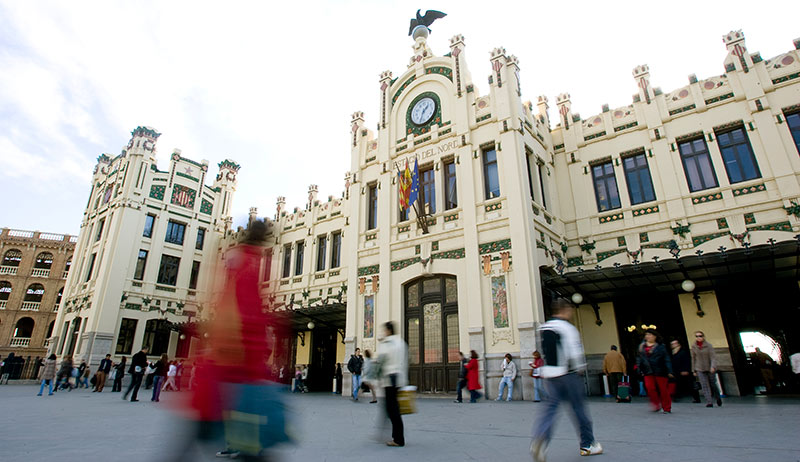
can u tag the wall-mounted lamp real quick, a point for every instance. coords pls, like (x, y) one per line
(689, 286)
(577, 298)
(310, 325)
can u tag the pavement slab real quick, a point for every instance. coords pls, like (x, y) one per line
(80, 426)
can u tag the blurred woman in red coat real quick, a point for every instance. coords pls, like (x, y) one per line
(473, 384)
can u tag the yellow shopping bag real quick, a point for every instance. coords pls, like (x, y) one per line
(407, 399)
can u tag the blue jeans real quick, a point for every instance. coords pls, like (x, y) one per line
(49, 382)
(157, 380)
(538, 390)
(565, 388)
(356, 385)
(474, 395)
(505, 381)
(462, 383)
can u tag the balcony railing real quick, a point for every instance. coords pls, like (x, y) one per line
(40, 273)
(3, 304)
(64, 276)
(8, 270)
(20, 342)
(30, 306)
(55, 308)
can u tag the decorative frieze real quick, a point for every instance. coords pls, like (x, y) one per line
(400, 264)
(782, 226)
(596, 135)
(369, 270)
(440, 70)
(206, 207)
(658, 245)
(371, 237)
(749, 190)
(609, 253)
(575, 261)
(645, 211)
(625, 127)
(786, 78)
(403, 87)
(610, 218)
(697, 240)
(481, 119)
(717, 99)
(495, 206)
(682, 109)
(495, 246)
(455, 254)
(449, 218)
(707, 198)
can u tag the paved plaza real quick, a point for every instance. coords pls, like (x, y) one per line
(80, 426)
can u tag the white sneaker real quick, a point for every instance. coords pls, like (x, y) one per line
(539, 450)
(593, 449)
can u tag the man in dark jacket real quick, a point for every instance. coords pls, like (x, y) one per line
(102, 373)
(354, 366)
(462, 376)
(682, 369)
(138, 363)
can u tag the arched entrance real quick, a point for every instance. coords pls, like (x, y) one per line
(431, 330)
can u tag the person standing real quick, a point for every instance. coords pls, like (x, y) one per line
(563, 366)
(172, 373)
(765, 365)
(304, 378)
(102, 374)
(179, 374)
(337, 375)
(83, 375)
(536, 367)
(64, 372)
(394, 370)
(509, 374)
(614, 367)
(462, 377)
(704, 365)
(354, 366)
(369, 375)
(656, 367)
(138, 363)
(48, 374)
(682, 368)
(473, 384)
(119, 373)
(159, 376)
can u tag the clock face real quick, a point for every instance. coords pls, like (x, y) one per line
(423, 111)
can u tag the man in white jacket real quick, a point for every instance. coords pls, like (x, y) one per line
(393, 361)
(564, 363)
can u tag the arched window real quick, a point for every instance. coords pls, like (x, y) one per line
(34, 293)
(44, 261)
(12, 258)
(24, 328)
(68, 265)
(5, 290)
(58, 298)
(50, 329)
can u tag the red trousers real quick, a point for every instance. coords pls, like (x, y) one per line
(658, 392)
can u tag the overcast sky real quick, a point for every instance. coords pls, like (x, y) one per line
(273, 85)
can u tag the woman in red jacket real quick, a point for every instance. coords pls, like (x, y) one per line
(473, 384)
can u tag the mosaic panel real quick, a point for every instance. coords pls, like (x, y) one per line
(645, 211)
(369, 316)
(157, 192)
(609, 253)
(722, 223)
(499, 302)
(369, 270)
(610, 218)
(697, 240)
(782, 226)
(183, 196)
(206, 207)
(495, 246)
(707, 198)
(749, 190)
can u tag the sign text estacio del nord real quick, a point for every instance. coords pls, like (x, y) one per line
(438, 149)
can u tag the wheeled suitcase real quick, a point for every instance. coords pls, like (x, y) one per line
(624, 390)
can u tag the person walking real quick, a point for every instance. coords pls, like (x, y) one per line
(172, 374)
(564, 363)
(83, 375)
(462, 377)
(354, 366)
(102, 374)
(179, 374)
(614, 367)
(304, 378)
(64, 372)
(473, 384)
(765, 366)
(337, 375)
(656, 368)
(682, 369)
(119, 373)
(394, 370)
(368, 375)
(536, 367)
(138, 363)
(159, 376)
(48, 374)
(704, 366)
(509, 374)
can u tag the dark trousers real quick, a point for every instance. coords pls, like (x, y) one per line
(136, 382)
(117, 382)
(613, 383)
(393, 412)
(157, 384)
(461, 384)
(567, 388)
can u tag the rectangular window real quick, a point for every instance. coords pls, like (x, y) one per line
(637, 175)
(491, 181)
(793, 121)
(201, 238)
(322, 249)
(605, 186)
(156, 336)
(127, 330)
(528, 155)
(450, 193)
(427, 190)
(287, 261)
(336, 250)
(175, 232)
(268, 265)
(141, 262)
(149, 221)
(372, 206)
(298, 258)
(91, 267)
(405, 214)
(195, 275)
(542, 178)
(100, 226)
(740, 162)
(168, 270)
(697, 165)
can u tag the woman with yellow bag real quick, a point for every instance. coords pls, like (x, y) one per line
(393, 361)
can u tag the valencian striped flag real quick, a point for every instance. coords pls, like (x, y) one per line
(414, 192)
(404, 187)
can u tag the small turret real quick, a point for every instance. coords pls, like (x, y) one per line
(143, 141)
(313, 190)
(642, 75)
(564, 109)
